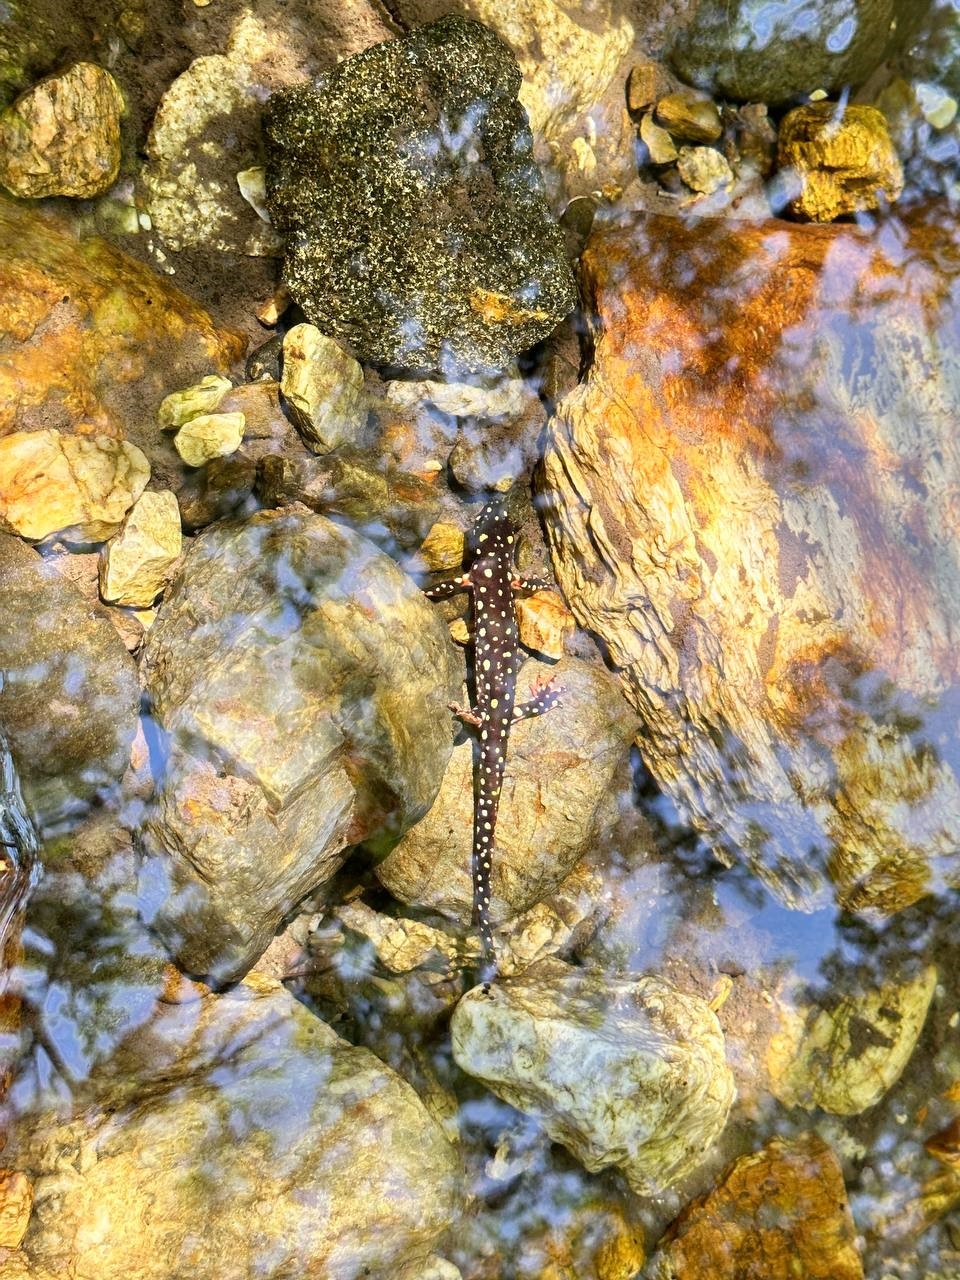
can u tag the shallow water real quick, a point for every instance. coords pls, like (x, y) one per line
(759, 545)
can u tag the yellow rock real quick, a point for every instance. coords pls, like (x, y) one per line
(81, 487)
(179, 407)
(323, 386)
(840, 163)
(658, 142)
(544, 622)
(209, 436)
(16, 1201)
(136, 566)
(62, 137)
(442, 548)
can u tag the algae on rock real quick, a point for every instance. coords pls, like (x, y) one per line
(418, 233)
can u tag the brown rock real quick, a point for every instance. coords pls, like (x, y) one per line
(837, 166)
(690, 116)
(776, 1215)
(648, 81)
(777, 593)
(544, 622)
(91, 338)
(62, 137)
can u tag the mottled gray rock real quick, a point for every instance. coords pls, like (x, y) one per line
(626, 1072)
(752, 51)
(557, 793)
(417, 229)
(300, 679)
(69, 694)
(237, 1136)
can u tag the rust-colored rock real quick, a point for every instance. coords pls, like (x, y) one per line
(840, 160)
(754, 501)
(91, 340)
(777, 1215)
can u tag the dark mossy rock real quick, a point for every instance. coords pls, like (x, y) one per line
(417, 230)
(751, 51)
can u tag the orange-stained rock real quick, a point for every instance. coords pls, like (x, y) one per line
(16, 1201)
(91, 340)
(779, 1214)
(754, 500)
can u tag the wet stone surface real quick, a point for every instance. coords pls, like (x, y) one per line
(418, 234)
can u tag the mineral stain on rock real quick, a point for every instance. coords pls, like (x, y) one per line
(417, 230)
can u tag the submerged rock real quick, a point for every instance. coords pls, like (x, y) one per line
(779, 593)
(245, 1115)
(837, 160)
(177, 408)
(558, 786)
(779, 1214)
(704, 169)
(418, 231)
(306, 713)
(751, 52)
(93, 338)
(843, 1054)
(323, 388)
(62, 137)
(69, 696)
(208, 436)
(136, 566)
(657, 1090)
(76, 486)
(690, 116)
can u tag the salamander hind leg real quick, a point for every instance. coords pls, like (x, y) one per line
(545, 694)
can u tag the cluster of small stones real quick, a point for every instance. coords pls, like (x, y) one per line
(821, 161)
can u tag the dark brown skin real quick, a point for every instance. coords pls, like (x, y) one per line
(492, 581)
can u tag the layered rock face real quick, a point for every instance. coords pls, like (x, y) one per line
(752, 499)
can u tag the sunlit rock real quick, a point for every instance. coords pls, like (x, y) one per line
(742, 503)
(179, 407)
(558, 786)
(323, 387)
(561, 920)
(837, 160)
(92, 338)
(62, 137)
(751, 52)
(544, 623)
(660, 147)
(69, 696)
(573, 61)
(843, 1054)
(690, 116)
(704, 169)
(306, 712)
(137, 564)
(443, 547)
(80, 487)
(647, 83)
(189, 186)
(462, 267)
(209, 436)
(16, 1201)
(656, 1093)
(297, 1153)
(783, 1210)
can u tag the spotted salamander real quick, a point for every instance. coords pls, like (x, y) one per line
(492, 580)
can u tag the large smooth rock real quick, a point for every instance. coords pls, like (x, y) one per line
(558, 788)
(418, 234)
(92, 339)
(623, 1071)
(69, 696)
(752, 51)
(780, 1213)
(236, 1136)
(752, 501)
(306, 712)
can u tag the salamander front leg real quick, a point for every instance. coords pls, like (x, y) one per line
(451, 587)
(532, 584)
(546, 694)
(465, 714)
